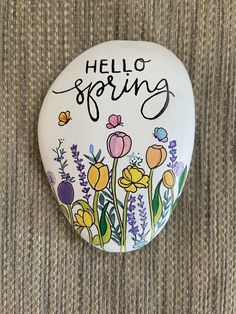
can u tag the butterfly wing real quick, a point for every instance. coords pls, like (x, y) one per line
(63, 118)
(164, 140)
(113, 119)
(156, 132)
(118, 119)
(61, 123)
(109, 126)
(68, 115)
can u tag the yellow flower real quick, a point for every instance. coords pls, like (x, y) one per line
(155, 156)
(133, 178)
(98, 176)
(84, 218)
(168, 179)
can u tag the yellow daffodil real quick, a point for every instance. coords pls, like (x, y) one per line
(98, 176)
(84, 218)
(133, 178)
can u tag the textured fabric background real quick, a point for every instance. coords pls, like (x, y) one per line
(45, 267)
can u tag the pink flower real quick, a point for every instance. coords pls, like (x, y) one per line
(118, 144)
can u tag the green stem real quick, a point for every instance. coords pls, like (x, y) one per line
(90, 235)
(150, 202)
(113, 186)
(95, 210)
(125, 221)
(70, 214)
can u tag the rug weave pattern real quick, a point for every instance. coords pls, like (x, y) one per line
(45, 267)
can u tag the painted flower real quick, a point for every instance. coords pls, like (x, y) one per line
(65, 192)
(155, 156)
(168, 179)
(118, 144)
(98, 176)
(178, 168)
(172, 144)
(51, 177)
(84, 218)
(133, 178)
(81, 171)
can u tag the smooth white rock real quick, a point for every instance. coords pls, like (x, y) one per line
(142, 90)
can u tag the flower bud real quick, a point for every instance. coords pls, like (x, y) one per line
(155, 156)
(98, 176)
(118, 144)
(168, 179)
(65, 192)
(84, 218)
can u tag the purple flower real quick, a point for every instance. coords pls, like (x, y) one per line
(173, 159)
(172, 144)
(134, 230)
(173, 154)
(178, 168)
(80, 168)
(142, 215)
(59, 159)
(51, 177)
(65, 192)
(65, 176)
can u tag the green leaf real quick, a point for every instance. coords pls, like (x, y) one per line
(157, 203)
(98, 155)
(83, 204)
(112, 210)
(64, 163)
(63, 210)
(175, 204)
(106, 237)
(107, 192)
(107, 195)
(113, 218)
(120, 203)
(117, 228)
(117, 241)
(101, 199)
(182, 180)
(103, 221)
(155, 200)
(90, 158)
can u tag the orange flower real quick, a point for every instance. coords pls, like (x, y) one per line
(98, 176)
(155, 156)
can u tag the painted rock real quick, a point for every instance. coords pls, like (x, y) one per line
(116, 133)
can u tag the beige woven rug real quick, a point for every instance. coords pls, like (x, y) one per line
(45, 267)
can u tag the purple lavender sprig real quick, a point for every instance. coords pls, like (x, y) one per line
(173, 154)
(82, 175)
(176, 166)
(142, 214)
(134, 230)
(60, 152)
(51, 177)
